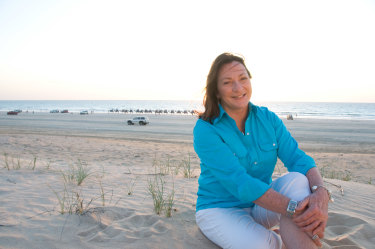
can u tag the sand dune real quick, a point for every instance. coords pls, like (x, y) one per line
(124, 159)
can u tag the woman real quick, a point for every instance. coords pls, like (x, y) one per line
(238, 144)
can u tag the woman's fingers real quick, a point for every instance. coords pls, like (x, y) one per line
(316, 240)
(302, 205)
(305, 222)
(311, 226)
(320, 230)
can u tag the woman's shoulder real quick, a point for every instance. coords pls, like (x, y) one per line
(202, 124)
(264, 113)
(203, 128)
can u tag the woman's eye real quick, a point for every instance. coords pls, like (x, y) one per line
(244, 78)
(226, 82)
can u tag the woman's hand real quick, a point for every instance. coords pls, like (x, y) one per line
(312, 214)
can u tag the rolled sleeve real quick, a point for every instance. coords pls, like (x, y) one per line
(293, 158)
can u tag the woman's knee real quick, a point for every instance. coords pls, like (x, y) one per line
(294, 185)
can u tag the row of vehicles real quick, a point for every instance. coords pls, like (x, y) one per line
(140, 120)
(67, 111)
(58, 111)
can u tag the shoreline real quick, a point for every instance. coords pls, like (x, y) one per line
(313, 135)
(181, 113)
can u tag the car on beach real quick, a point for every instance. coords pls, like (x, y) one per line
(84, 112)
(54, 111)
(138, 120)
(12, 113)
(65, 111)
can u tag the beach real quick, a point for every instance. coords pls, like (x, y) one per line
(43, 206)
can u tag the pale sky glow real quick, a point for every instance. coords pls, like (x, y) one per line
(298, 50)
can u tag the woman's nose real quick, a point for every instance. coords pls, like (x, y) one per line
(236, 86)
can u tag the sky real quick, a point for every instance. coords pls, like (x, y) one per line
(296, 50)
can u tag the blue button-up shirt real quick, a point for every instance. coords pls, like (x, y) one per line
(236, 167)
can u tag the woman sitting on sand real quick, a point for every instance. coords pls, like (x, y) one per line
(238, 144)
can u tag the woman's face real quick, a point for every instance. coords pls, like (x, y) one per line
(234, 87)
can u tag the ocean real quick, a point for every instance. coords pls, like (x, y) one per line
(321, 110)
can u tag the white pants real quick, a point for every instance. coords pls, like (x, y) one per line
(240, 228)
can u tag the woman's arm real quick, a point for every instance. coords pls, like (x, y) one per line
(312, 212)
(273, 201)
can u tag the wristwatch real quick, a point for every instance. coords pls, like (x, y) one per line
(315, 187)
(291, 209)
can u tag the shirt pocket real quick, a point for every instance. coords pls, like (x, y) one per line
(268, 154)
(269, 146)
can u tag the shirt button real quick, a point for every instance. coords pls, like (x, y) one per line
(248, 133)
(274, 144)
(255, 163)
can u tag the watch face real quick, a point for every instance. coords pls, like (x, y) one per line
(291, 209)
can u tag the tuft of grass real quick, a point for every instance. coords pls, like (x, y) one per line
(102, 194)
(71, 201)
(347, 176)
(186, 166)
(81, 172)
(32, 164)
(156, 189)
(6, 162)
(333, 174)
(161, 200)
(162, 168)
(168, 205)
(62, 199)
(130, 185)
(77, 172)
(17, 166)
(79, 206)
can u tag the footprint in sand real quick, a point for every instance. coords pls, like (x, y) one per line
(338, 233)
(121, 225)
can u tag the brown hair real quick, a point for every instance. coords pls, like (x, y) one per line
(210, 100)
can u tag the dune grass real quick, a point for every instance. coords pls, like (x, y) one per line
(174, 167)
(130, 185)
(186, 166)
(334, 174)
(71, 201)
(12, 162)
(162, 200)
(77, 172)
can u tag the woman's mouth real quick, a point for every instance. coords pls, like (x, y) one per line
(239, 96)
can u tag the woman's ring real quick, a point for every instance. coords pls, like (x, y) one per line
(314, 237)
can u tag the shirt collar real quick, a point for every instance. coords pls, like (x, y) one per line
(222, 112)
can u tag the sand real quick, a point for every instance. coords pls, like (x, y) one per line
(116, 207)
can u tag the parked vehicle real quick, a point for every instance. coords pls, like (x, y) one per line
(64, 111)
(12, 113)
(54, 111)
(84, 112)
(138, 120)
